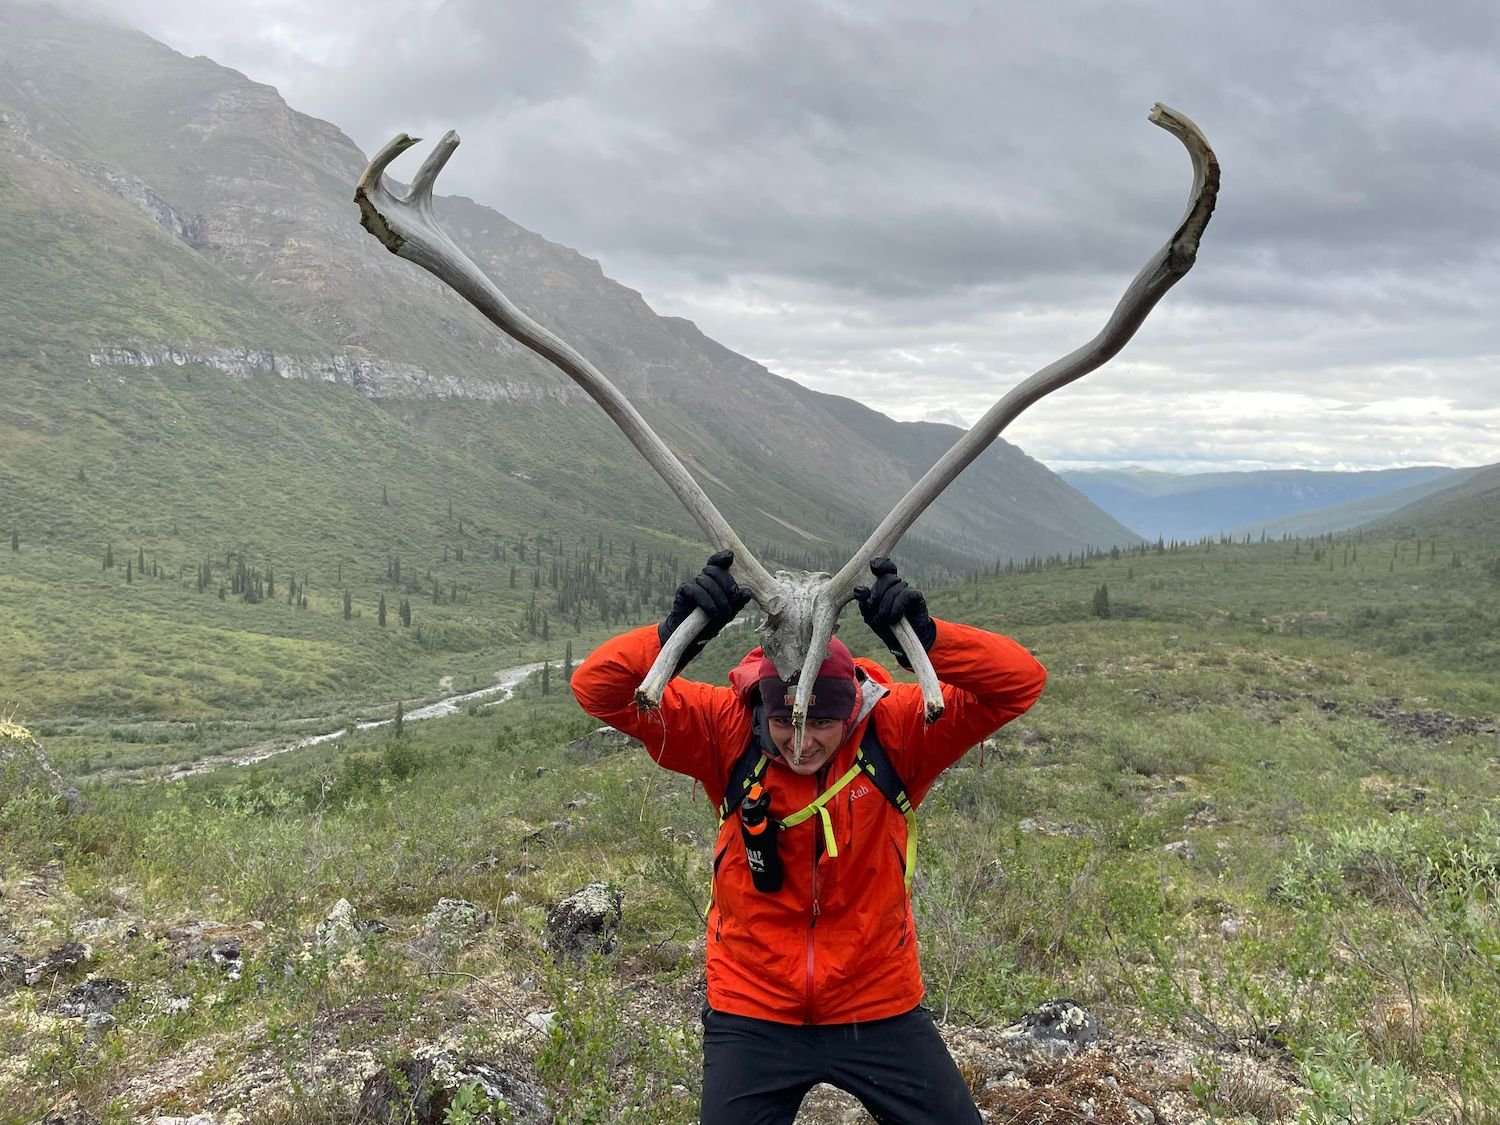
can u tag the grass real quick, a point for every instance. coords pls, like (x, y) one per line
(1328, 902)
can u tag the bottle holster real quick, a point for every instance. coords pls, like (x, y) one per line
(759, 830)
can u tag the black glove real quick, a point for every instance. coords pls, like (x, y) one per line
(716, 593)
(888, 602)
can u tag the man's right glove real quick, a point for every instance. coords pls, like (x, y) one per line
(888, 602)
(716, 593)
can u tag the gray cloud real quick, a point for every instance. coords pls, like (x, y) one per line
(915, 203)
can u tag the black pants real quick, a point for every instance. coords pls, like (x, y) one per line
(756, 1072)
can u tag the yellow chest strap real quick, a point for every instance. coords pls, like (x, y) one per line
(819, 806)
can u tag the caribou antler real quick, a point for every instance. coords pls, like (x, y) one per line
(801, 609)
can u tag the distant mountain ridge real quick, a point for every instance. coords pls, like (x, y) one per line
(1468, 510)
(1296, 501)
(167, 212)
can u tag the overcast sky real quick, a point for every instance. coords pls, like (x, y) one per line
(918, 205)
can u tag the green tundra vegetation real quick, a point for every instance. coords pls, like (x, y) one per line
(1255, 812)
(192, 547)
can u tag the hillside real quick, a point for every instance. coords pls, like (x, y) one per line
(1297, 501)
(1353, 513)
(258, 194)
(1467, 512)
(1247, 796)
(208, 365)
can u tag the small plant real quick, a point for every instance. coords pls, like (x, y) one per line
(470, 1105)
(1345, 1088)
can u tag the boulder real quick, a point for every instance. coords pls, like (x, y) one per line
(94, 997)
(64, 961)
(1055, 1028)
(12, 972)
(455, 915)
(447, 926)
(337, 930)
(25, 765)
(585, 922)
(67, 1110)
(433, 1084)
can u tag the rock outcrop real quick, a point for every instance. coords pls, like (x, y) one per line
(25, 765)
(585, 922)
(376, 379)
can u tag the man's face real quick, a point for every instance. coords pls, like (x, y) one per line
(820, 738)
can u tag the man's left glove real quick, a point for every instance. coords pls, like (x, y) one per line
(716, 593)
(887, 602)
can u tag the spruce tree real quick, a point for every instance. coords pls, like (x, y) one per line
(348, 606)
(1101, 601)
(398, 726)
(109, 556)
(546, 677)
(380, 613)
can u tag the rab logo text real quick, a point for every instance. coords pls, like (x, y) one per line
(859, 791)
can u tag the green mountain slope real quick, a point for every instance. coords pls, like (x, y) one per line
(208, 364)
(1353, 513)
(1468, 512)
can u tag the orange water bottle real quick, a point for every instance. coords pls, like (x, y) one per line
(758, 828)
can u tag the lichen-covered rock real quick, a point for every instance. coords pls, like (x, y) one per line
(433, 1085)
(97, 996)
(25, 765)
(12, 972)
(455, 915)
(337, 929)
(59, 963)
(1056, 1028)
(67, 1111)
(585, 922)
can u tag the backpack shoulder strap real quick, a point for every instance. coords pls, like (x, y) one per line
(745, 772)
(875, 763)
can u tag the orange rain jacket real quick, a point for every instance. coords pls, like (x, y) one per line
(836, 943)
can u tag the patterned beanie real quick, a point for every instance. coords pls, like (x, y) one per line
(834, 693)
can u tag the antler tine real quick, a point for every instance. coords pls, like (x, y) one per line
(408, 229)
(825, 619)
(371, 188)
(421, 186)
(763, 588)
(382, 159)
(1165, 268)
